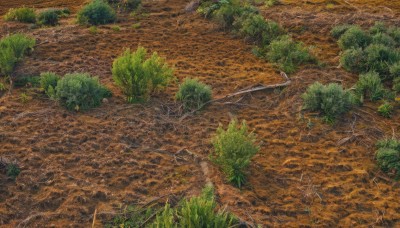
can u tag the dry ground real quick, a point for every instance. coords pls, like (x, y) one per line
(307, 173)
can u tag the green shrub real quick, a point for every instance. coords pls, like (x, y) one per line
(138, 76)
(79, 91)
(227, 12)
(259, 30)
(394, 32)
(233, 150)
(330, 100)
(49, 17)
(269, 3)
(95, 13)
(288, 54)
(27, 81)
(396, 85)
(208, 7)
(395, 70)
(379, 58)
(13, 170)
(385, 110)
(370, 86)
(353, 60)
(355, 38)
(48, 82)
(339, 30)
(378, 27)
(388, 156)
(193, 94)
(384, 39)
(23, 14)
(12, 49)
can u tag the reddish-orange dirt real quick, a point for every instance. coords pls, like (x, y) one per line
(307, 173)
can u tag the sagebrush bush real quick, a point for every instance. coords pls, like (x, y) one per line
(379, 58)
(48, 82)
(330, 100)
(96, 13)
(288, 54)
(138, 76)
(233, 150)
(385, 110)
(395, 70)
(256, 28)
(49, 17)
(79, 91)
(388, 156)
(354, 60)
(354, 37)
(378, 27)
(193, 94)
(383, 39)
(370, 86)
(394, 32)
(12, 49)
(23, 14)
(339, 30)
(226, 13)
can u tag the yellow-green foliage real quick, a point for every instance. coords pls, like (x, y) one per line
(23, 14)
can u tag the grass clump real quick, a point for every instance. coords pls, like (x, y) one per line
(96, 12)
(288, 54)
(48, 82)
(13, 170)
(354, 38)
(139, 76)
(395, 70)
(385, 110)
(12, 49)
(23, 14)
(79, 91)
(370, 86)
(396, 85)
(193, 94)
(330, 100)
(388, 156)
(49, 17)
(233, 150)
(339, 30)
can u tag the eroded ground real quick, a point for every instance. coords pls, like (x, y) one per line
(307, 172)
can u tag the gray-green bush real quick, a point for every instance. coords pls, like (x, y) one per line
(193, 94)
(97, 12)
(388, 156)
(339, 30)
(354, 37)
(370, 86)
(139, 76)
(23, 14)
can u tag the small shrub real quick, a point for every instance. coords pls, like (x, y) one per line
(394, 32)
(288, 54)
(93, 30)
(330, 100)
(378, 27)
(379, 58)
(354, 60)
(116, 28)
(227, 12)
(49, 17)
(384, 39)
(388, 156)
(95, 13)
(13, 171)
(27, 81)
(24, 14)
(396, 85)
(385, 110)
(339, 30)
(370, 86)
(269, 3)
(233, 150)
(12, 49)
(354, 38)
(193, 94)
(395, 70)
(79, 91)
(138, 76)
(48, 82)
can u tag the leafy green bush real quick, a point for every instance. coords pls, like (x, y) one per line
(49, 17)
(193, 94)
(355, 38)
(339, 30)
(330, 100)
(12, 49)
(79, 91)
(23, 14)
(388, 156)
(97, 12)
(13, 170)
(48, 82)
(385, 110)
(233, 150)
(138, 76)
(288, 54)
(370, 86)
(259, 30)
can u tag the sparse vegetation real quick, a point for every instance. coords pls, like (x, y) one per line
(126, 4)
(23, 14)
(79, 92)
(339, 30)
(370, 86)
(193, 94)
(396, 85)
(385, 110)
(139, 76)
(233, 150)
(330, 100)
(97, 12)
(48, 82)
(388, 156)
(13, 170)
(49, 17)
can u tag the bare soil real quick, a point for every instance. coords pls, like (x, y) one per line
(307, 173)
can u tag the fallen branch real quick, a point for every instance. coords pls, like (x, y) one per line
(241, 92)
